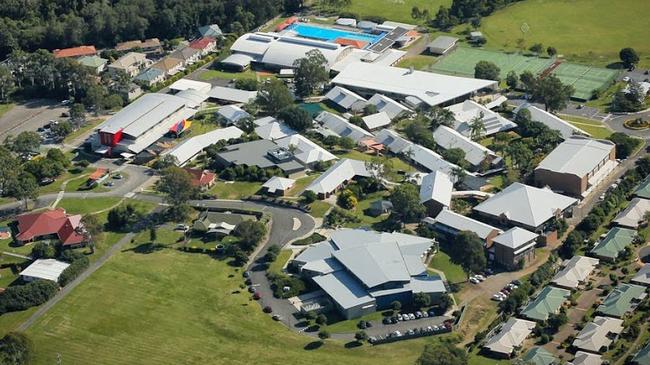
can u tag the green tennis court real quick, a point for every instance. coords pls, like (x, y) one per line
(461, 62)
(584, 79)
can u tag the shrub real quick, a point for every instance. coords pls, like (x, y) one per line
(15, 349)
(71, 272)
(17, 298)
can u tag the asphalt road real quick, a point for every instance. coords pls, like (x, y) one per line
(30, 116)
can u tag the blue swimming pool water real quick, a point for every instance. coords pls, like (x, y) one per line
(330, 34)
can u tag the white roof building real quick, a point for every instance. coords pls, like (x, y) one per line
(232, 113)
(233, 95)
(342, 127)
(597, 334)
(458, 222)
(391, 107)
(342, 171)
(188, 149)
(577, 155)
(307, 152)
(377, 120)
(566, 129)
(186, 84)
(475, 153)
(429, 88)
(510, 337)
(633, 215)
(388, 57)
(346, 99)
(585, 358)
(517, 239)
(274, 130)
(575, 271)
(436, 186)
(285, 51)
(525, 205)
(46, 269)
(278, 183)
(466, 111)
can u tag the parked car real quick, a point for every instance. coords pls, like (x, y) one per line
(257, 296)
(251, 289)
(267, 309)
(473, 280)
(411, 316)
(182, 227)
(277, 317)
(399, 317)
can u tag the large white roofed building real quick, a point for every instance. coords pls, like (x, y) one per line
(426, 87)
(46, 269)
(187, 150)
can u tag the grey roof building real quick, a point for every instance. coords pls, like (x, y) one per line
(261, 153)
(337, 175)
(210, 30)
(435, 192)
(633, 215)
(469, 110)
(642, 277)
(391, 107)
(346, 99)
(232, 95)
(341, 127)
(566, 129)
(514, 246)
(574, 272)
(442, 44)
(598, 334)
(450, 223)
(475, 153)
(188, 149)
(362, 271)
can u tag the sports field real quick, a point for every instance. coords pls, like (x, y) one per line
(585, 31)
(585, 79)
(461, 62)
(395, 10)
(156, 305)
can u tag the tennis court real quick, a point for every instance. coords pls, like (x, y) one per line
(461, 62)
(585, 79)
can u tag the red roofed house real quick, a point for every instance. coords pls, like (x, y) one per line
(202, 179)
(204, 44)
(75, 52)
(51, 224)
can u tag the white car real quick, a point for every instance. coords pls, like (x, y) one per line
(480, 277)
(474, 280)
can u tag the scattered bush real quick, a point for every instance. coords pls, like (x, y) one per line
(17, 298)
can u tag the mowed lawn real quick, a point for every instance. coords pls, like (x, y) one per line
(593, 127)
(453, 272)
(169, 307)
(589, 31)
(395, 10)
(235, 190)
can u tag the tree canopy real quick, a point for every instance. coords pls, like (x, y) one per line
(274, 96)
(487, 70)
(406, 203)
(311, 73)
(552, 93)
(442, 354)
(629, 56)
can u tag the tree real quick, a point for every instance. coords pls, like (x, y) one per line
(296, 118)
(310, 73)
(537, 48)
(273, 97)
(15, 349)
(630, 100)
(440, 353)
(153, 234)
(24, 187)
(347, 143)
(625, 144)
(26, 142)
(396, 305)
(477, 127)
(321, 319)
(486, 70)
(93, 230)
(360, 336)
(458, 175)
(421, 300)
(78, 114)
(62, 129)
(250, 233)
(454, 155)
(249, 84)
(9, 169)
(7, 83)
(528, 80)
(176, 184)
(552, 92)
(629, 57)
(468, 251)
(406, 203)
(324, 335)
(443, 19)
(551, 51)
(445, 302)
(347, 200)
(571, 244)
(441, 116)
(42, 250)
(512, 80)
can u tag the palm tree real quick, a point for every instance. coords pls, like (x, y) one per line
(477, 127)
(458, 175)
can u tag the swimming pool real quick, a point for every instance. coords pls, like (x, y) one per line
(330, 34)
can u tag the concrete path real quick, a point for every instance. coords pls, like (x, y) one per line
(16, 255)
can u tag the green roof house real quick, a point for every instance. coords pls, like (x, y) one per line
(622, 300)
(643, 356)
(94, 63)
(614, 243)
(212, 31)
(547, 302)
(150, 76)
(643, 191)
(540, 356)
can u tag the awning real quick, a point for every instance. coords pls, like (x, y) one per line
(102, 150)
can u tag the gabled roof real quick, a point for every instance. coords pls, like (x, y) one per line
(202, 43)
(188, 84)
(278, 183)
(342, 171)
(388, 105)
(525, 204)
(517, 239)
(512, 335)
(566, 129)
(585, 358)
(436, 186)
(575, 271)
(150, 74)
(342, 127)
(460, 222)
(210, 30)
(614, 242)
(375, 265)
(167, 64)
(547, 302)
(47, 269)
(346, 99)
(307, 151)
(632, 216)
(540, 356)
(146, 44)
(232, 94)
(201, 177)
(184, 54)
(128, 60)
(377, 120)
(466, 111)
(621, 299)
(75, 52)
(344, 288)
(594, 335)
(186, 150)
(232, 113)
(577, 155)
(50, 222)
(92, 61)
(642, 276)
(643, 356)
(443, 42)
(448, 138)
(274, 130)
(430, 88)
